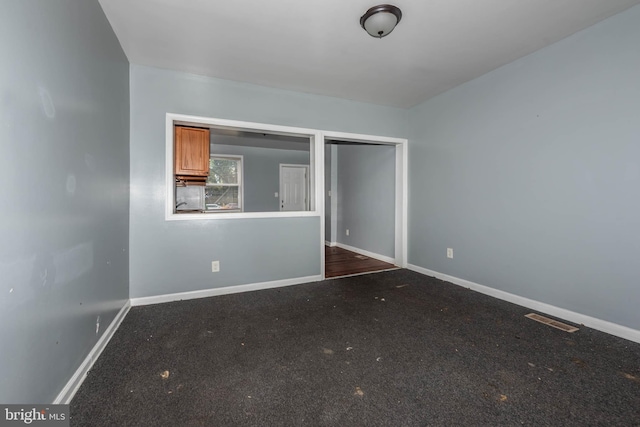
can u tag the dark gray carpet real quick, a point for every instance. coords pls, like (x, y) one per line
(387, 349)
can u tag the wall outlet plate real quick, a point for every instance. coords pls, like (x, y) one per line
(347, 232)
(449, 252)
(215, 266)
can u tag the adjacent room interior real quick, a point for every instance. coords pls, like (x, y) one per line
(360, 207)
(178, 198)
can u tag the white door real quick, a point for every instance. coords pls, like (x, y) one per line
(293, 187)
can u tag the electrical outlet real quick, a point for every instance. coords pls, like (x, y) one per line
(275, 194)
(215, 266)
(347, 231)
(329, 193)
(449, 252)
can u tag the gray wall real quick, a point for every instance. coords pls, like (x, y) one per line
(334, 194)
(261, 173)
(64, 126)
(366, 197)
(531, 174)
(175, 256)
(327, 189)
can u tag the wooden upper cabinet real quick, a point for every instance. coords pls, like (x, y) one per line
(191, 155)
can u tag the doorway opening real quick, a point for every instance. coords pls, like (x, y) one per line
(365, 204)
(340, 262)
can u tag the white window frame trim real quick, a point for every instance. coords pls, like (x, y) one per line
(316, 161)
(240, 184)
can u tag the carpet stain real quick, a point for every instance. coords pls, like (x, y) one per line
(423, 374)
(631, 377)
(503, 398)
(579, 362)
(327, 351)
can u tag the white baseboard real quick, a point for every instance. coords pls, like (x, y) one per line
(72, 386)
(367, 253)
(157, 299)
(330, 244)
(591, 322)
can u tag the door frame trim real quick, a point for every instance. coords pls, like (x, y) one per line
(401, 193)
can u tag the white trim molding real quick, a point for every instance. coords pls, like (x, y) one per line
(401, 190)
(367, 253)
(581, 319)
(316, 162)
(74, 383)
(204, 293)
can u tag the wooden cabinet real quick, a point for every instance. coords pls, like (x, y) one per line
(191, 152)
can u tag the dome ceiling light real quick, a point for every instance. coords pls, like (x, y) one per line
(381, 20)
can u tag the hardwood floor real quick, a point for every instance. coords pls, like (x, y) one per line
(341, 262)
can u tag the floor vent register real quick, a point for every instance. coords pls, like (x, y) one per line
(551, 322)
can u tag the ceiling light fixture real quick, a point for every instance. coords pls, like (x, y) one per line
(381, 20)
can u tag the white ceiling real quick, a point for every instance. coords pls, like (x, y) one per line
(318, 46)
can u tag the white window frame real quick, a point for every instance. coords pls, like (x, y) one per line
(240, 183)
(316, 163)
